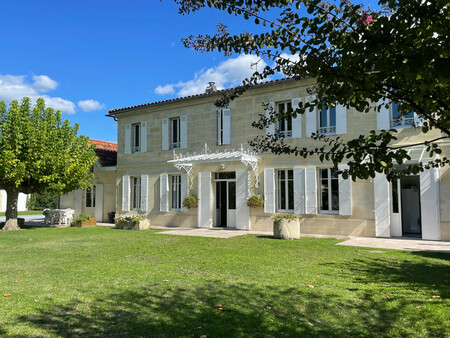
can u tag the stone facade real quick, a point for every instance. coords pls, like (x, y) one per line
(149, 169)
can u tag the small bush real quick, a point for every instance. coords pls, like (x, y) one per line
(256, 201)
(130, 219)
(80, 217)
(279, 217)
(190, 202)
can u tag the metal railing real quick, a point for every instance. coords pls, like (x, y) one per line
(327, 130)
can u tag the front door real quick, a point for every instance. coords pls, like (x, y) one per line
(405, 207)
(225, 200)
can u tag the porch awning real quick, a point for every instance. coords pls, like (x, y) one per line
(186, 161)
(417, 155)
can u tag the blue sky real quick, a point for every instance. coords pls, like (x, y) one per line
(86, 57)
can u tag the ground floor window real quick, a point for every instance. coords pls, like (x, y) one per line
(135, 193)
(175, 192)
(90, 197)
(329, 190)
(285, 190)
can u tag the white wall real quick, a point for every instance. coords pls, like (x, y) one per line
(21, 203)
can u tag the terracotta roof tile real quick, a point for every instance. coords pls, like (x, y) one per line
(106, 152)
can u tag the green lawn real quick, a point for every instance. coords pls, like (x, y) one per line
(29, 212)
(105, 282)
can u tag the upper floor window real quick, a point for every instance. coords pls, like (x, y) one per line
(135, 193)
(285, 124)
(327, 120)
(175, 192)
(136, 138)
(175, 136)
(398, 120)
(90, 197)
(285, 190)
(329, 190)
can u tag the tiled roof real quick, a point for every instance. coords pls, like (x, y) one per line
(106, 152)
(113, 112)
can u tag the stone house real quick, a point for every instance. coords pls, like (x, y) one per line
(101, 198)
(186, 146)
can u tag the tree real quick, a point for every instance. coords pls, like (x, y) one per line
(40, 151)
(41, 200)
(357, 55)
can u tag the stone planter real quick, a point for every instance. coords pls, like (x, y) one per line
(286, 229)
(143, 224)
(91, 222)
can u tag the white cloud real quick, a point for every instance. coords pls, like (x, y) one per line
(164, 90)
(227, 74)
(43, 83)
(90, 105)
(15, 87)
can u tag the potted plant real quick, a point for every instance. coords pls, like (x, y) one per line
(83, 221)
(190, 202)
(286, 226)
(256, 201)
(130, 222)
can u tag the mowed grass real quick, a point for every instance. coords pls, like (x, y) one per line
(106, 282)
(24, 213)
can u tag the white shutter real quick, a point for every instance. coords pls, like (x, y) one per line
(127, 139)
(143, 137)
(299, 190)
(297, 122)
(311, 190)
(126, 193)
(430, 204)
(383, 116)
(311, 118)
(165, 134)
(163, 192)
(184, 189)
(78, 201)
(382, 206)
(183, 131)
(242, 209)
(345, 194)
(226, 126)
(341, 119)
(204, 203)
(144, 193)
(269, 191)
(99, 202)
(270, 129)
(418, 121)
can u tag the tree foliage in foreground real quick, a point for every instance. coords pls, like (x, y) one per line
(40, 152)
(357, 55)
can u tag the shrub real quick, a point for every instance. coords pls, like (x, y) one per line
(80, 217)
(129, 219)
(279, 217)
(256, 201)
(190, 202)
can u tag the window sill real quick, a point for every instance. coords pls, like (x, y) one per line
(328, 212)
(284, 212)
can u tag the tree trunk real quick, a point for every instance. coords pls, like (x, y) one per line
(11, 209)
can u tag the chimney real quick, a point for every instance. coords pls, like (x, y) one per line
(211, 88)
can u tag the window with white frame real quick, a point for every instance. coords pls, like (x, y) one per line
(90, 197)
(175, 134)
(284, 125)
(398, 120)
(135, 193)
(136, 138)
(327, 120)
(329, 190)
(175, 192)
(285, 190)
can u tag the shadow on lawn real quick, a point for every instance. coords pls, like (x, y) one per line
(248, 310)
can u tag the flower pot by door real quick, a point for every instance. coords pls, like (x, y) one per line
(286, 229)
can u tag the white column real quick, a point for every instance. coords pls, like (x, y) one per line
(382, 206)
